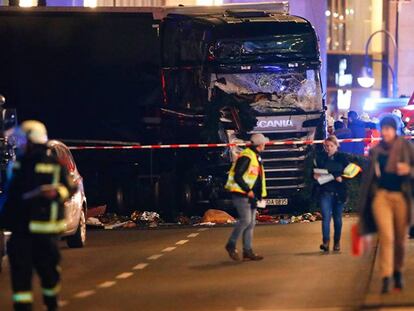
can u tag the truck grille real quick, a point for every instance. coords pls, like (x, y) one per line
(284, 166)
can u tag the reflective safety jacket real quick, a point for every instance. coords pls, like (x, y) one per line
(253, 172)
(26, 210)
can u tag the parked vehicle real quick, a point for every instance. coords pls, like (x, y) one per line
(168, 75)
(75, 207)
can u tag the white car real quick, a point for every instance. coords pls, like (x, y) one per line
(75, 207)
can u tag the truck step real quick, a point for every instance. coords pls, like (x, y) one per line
(300, 186)
(301, 158)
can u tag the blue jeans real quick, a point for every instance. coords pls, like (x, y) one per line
(330, 206)
(245, 224)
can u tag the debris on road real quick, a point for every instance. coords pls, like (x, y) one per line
(288, 219)
(151, 219)
(130, 225)
(183, 220)
(147, 219)
(266, 218)
(218, 217)
(107, 221)
(94, 222)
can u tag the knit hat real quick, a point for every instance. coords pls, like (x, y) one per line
(389, 120)
(259, 139)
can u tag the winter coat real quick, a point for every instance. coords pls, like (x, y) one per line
(335, 166)
(369, 186)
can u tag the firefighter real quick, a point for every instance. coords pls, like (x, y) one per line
(37, 187)
(247, 184)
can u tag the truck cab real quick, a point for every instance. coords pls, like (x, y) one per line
(242, 72)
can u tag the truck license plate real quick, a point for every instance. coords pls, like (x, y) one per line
(277, 201)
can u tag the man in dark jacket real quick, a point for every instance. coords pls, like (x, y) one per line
(341, 132)
(37, 187)
(247, 183)
(357, 128)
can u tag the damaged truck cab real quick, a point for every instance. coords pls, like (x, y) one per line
(240, 72)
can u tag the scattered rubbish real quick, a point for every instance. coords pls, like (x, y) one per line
(107, 221)
(287, 219)
(183, 220)
(95, 222)
(217, 217)
(150, 219)
(308, 217)
(284, 221)
(130, 224)
(196, 219)
(110, 219)
(295, 219)
(318, 215)
(98, 219)
(266, 218)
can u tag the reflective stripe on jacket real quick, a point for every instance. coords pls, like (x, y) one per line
(250, 176)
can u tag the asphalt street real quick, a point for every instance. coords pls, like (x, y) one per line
(188, 269)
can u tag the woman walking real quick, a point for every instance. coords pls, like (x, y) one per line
(386, 200)
(329, 166)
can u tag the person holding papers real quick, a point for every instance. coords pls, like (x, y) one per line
(329, 166)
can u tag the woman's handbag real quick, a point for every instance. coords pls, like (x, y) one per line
(360, 243)
(357, 243)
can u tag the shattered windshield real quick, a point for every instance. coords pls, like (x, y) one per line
(275, 92)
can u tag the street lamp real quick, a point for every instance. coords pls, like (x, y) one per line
(366, 79)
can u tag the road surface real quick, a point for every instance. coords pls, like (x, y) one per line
(188, 269)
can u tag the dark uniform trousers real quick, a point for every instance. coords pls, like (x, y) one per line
(38, 252)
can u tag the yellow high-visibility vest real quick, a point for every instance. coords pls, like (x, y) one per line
(250, 176)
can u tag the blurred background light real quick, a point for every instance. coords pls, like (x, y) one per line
(90, 3)
(27, 3)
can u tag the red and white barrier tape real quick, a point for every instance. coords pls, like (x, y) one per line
(187, 146)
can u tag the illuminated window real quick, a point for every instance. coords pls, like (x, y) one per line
(344, 99)
(27, 3)
(350, 22)
(90, 3)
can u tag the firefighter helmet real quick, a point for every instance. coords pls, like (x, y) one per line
(35, 131)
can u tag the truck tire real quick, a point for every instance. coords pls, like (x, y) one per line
(187, 204)
(78, 240)
(168, 197)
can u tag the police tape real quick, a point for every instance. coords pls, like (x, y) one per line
(226, 145)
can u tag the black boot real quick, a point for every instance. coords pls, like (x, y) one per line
(398, 281)
(250, 255)
(233, 253)
(337, 246)
(385, 285)
(324, 246)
